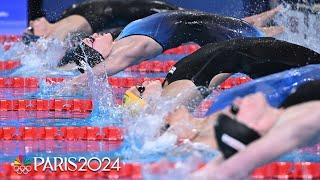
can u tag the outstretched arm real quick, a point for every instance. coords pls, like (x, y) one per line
(60, 29)
(261, 20)
(127, 52)
(296, 126)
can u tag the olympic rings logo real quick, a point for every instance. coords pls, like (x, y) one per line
(22, 169)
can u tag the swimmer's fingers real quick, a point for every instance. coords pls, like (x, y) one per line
(262, 19)
(273, 30)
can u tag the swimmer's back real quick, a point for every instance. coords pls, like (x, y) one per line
(172, 28)
(255, 57)
(107, 14)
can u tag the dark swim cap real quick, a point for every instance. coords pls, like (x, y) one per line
(233, 136)
(83, 54)
(308, 91)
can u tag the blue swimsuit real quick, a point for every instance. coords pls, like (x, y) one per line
(173, 28)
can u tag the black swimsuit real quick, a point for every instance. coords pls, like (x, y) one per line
(109, 14)
(255, 57)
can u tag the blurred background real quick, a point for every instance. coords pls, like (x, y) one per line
(15, 14)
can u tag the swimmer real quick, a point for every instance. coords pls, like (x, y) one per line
(98, 15)
(150, 36)
(294, 124)
(205, 69)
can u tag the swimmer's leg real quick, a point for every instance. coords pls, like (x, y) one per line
(60, 29)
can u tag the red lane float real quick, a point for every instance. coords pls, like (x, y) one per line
(33, 82)
(9, 65)
(126, 171)
(9, 38)
(152, 66)
(183, 49)
(129, 82)
(72, 105)
(19, 82)
(57, 146)
(234, 81)
(41, 115)
(286, 170)
(69, 133)
(276, 170)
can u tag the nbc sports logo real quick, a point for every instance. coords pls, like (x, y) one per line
(22, 165)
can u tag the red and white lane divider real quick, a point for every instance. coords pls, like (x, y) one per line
(9, 65)
(287, 170)
(275, 170)
(58, 146)
(70, 133)
(9, 38)
(152, 66)
(125, 82)
(183, 49)
(71, 105)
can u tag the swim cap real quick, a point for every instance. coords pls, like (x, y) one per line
(83, 54)
(233, 136)
(130, 99)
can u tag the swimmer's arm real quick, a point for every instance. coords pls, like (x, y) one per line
(260, 20)
(296, 126)
(70, 24)
(127, 52)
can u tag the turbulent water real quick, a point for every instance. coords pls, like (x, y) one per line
(300, 27)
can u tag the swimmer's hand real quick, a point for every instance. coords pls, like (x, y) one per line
(261, 21)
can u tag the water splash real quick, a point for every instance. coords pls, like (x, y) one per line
(40, 58)
(301, 27)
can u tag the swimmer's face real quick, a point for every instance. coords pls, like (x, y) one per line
(101, 43)
(254, 112)
(152, 89)
(250, 107)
